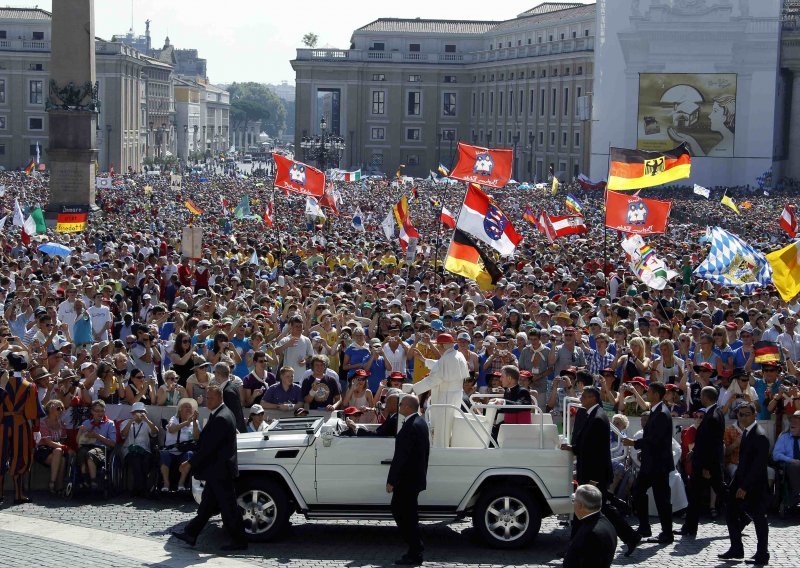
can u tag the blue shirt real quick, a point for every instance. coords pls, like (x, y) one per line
(377, 372)
(357, 356)
(784, 448)
(760, 387)
(242, 346)
(82, 330)
(276, 394)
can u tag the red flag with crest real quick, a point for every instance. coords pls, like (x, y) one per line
(636, 215)
(482, 165)
(298, 177)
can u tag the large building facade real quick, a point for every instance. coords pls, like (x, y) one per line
(408, 90)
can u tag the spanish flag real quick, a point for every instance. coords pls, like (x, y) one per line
(635, 169)
(786, 270)
(193, 209)
(401, 211)
(29, 168)
(465, 258)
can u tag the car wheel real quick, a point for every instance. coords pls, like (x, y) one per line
(265, 508)
(507, 517)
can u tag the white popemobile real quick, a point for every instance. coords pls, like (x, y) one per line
(305, 465)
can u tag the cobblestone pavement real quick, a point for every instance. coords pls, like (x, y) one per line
(363, 544)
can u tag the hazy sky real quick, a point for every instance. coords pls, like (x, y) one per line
(253, 40)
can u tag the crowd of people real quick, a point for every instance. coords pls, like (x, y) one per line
(308, 315)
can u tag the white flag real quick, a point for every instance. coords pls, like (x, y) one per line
(2, 190)
(29, 226)
(254, 259)
(388, 226)
(700, 190)
(19, 220)
(3, 223)
(313, 209)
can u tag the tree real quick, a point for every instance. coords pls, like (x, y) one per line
(254, 102)
(310, 40)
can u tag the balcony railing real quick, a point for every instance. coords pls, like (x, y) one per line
(572, 45)
(24, 45)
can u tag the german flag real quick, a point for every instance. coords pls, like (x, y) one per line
(465, 258)
(765, 351)
(635, 169)
(30, 167)
(193, 209)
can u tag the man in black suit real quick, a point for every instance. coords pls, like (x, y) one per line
(707, 456)
(594, 543)
(657, 462)
(408, 477)
(591, 444)
(513, 395)
(230, 395)
(215, 462)
(748, 492)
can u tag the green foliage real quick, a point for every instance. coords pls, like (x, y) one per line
(310, 40)
(253, 102)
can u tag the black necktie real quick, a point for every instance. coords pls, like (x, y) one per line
(796, 447)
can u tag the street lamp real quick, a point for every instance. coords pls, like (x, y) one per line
(108, 146)
(325, 149)
(515, 139)
(530, 161)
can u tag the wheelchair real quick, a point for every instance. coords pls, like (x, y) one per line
(108, 475)
(782, 501)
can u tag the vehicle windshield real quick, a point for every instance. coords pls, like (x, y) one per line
(295, 424)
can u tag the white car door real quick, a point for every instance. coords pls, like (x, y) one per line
(353, 470)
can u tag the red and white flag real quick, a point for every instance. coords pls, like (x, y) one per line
(788, 220)
(447, 218)
(407, 232)
(482, 218)
(269, 214)
(556, 226)
(328, 200)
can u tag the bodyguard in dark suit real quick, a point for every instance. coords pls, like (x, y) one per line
(215, 462)
(591, 444)
(707, 456)
(408, 477)
(594, 543)
(748, 491)
(230, 395)
(657, 463)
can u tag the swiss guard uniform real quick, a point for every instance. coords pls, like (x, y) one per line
(20, 410)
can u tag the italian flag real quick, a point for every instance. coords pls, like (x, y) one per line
(353, 176)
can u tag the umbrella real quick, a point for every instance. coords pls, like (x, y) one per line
(525, 185)
(55, 249)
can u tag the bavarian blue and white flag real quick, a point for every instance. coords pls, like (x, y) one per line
(733, 263)
(358, 221)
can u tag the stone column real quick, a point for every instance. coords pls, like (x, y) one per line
(72, 106)
(794, 129)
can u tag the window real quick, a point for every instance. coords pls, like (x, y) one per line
(378, 102)
(508, 44)
(574, 34)
(482, 101)
(491, 78)
(377, 46)
(474, 96)
(450, 79)
(502, 76)
(511, 76)
(449, 134)
(510, 103)
(378, 133)
(522, 74)
(449, 48)
(544, 73)
(32, 150)
(3, 34)
(2, 91)
(491, 46)
(555, 72)
(37, 36)
(378, 77)
(566, 101)
(577, 139)
(414, 103)
(529, 41)
(519, 42)
(566, 70)
(562, 36)
(541, 103)
(35, 92)
(35, 123)
(532, 98)
(540, 39)
(552, 139)
(412, 160)
(376, 159)
(551, 38)
(521, 101)
(580, 70)
(413, 47)
(2, 149)
(449, 104)
(500, 105)
(491, 102)
(413, 134)
(585, 33)
(553, 103)
(563, 138)
(414, 78)
(499, 136)
(533, 74)
(2, 122)
(541, 138)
